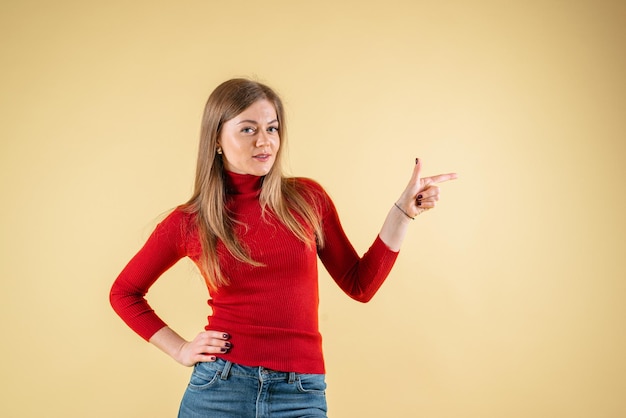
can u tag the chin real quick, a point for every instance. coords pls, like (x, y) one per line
(262, 171)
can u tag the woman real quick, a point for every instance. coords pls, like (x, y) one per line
(255, 236)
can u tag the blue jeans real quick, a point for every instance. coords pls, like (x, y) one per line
(223, 389)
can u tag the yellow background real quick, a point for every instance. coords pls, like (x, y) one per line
(508, 300)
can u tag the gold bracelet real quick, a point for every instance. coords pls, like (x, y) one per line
(403, 211)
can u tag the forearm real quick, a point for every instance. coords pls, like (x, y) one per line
(168, 341)
(359, 276)
(394, 229)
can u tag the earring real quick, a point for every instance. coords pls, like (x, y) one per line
(219, 150)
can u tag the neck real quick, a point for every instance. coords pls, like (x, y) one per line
(242, 183)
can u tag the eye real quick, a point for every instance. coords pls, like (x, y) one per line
(248, 130)
(272, 129)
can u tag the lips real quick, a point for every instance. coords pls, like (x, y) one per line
(262, 157)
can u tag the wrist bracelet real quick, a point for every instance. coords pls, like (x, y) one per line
(403, 211)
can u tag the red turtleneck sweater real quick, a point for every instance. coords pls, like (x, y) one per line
(269, 311)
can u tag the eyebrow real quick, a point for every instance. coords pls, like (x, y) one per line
(255, 122)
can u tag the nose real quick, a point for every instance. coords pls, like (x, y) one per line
(263, 139)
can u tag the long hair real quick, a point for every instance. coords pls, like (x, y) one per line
(280, 196)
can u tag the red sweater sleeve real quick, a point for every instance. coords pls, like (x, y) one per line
(359, 277)
(164, 247)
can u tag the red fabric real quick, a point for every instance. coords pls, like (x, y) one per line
(271, 312)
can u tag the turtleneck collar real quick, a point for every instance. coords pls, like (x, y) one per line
(242, 183)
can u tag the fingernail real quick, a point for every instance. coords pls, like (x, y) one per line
(419, 203)
(227, 344)
(226, 336)
(419, 196)
(223, 349)
(417, 160)
(212, 358)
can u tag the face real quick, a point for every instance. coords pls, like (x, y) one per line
(250, 140)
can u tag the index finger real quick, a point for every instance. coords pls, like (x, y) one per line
(442, 177)
(217, 334)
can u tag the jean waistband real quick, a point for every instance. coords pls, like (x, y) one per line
(229, 368)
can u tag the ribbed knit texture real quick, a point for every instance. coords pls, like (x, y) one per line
(271, 312)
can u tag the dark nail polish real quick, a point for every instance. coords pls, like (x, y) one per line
(227, 344)
(223, 349)
(419, 196)
(226, 336)
(417, 160)
(212, 358)
(419, 203)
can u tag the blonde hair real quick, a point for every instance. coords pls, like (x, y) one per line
(281, 196)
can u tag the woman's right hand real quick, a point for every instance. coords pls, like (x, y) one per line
(203, 348)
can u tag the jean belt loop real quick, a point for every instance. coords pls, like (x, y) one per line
(292, 377)
(226, 370)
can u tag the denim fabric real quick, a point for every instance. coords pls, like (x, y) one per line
(222, 389)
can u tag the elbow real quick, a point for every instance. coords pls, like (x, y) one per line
(363, 294)
(113, 297)
(117, 297)
(362, 297)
